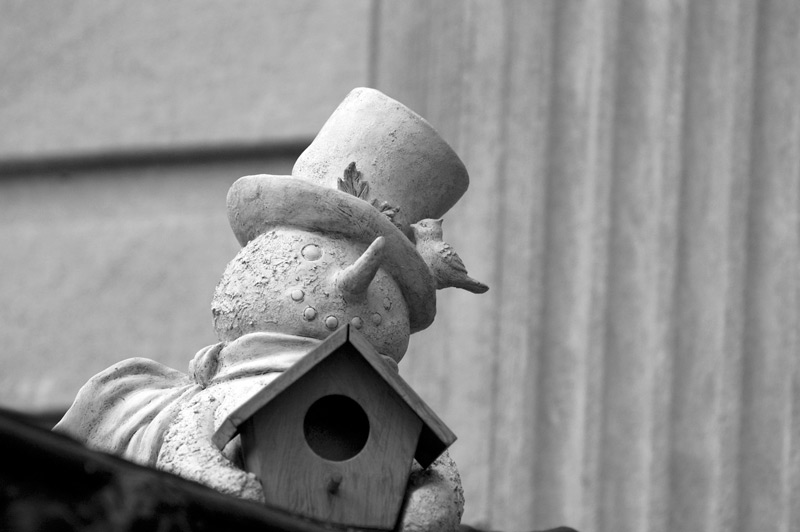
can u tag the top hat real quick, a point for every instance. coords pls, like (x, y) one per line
(374, 168)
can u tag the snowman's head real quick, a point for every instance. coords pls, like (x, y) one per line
(309, 284)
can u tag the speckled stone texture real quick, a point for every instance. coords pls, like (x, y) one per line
(329, 246)
(196, 458)
(434, 499)
(407, 164)
(286, 281)
(161, 417)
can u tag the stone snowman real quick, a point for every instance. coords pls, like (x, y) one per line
(353, 236)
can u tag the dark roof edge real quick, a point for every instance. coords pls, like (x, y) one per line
(40, 469)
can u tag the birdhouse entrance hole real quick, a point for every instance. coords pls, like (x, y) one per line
(336, 428)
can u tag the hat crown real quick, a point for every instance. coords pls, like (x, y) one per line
(402, 166)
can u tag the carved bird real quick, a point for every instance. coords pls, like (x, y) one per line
(443, 261)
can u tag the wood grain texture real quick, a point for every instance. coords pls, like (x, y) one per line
(634, 208)
(347, 343)
(371, 484)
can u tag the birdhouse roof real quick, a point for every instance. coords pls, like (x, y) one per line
(434, 438)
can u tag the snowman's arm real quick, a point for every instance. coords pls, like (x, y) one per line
(434, 499)
(187, 451)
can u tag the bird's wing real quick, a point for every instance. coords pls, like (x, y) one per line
(451, 257)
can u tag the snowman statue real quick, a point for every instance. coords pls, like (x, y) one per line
(354, 237)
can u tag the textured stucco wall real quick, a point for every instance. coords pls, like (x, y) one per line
(84, 76)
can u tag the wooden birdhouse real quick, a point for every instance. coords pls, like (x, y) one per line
(333, 437)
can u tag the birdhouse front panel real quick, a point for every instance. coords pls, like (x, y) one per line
(336, 445)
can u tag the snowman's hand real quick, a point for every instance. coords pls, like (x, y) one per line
(434, 499)
(187, 451)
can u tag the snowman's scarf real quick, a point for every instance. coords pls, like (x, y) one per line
(126, 409)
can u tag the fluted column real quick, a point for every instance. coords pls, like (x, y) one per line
(634, 207)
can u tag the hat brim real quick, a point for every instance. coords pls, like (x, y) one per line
(258, 203)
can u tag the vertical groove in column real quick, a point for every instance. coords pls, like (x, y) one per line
(703, 282)
(771, 312)
(499, 447)
(568, 264)
(519, 292)
(477, 216)
(633, 297)
(791, 240)
(658, 511)
(730, 410)
(600, 157)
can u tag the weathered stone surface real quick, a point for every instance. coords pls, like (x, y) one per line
(435, 498)
(187, 451)
(315, 256)
(156, 416)
(408, 166)
(286, 280)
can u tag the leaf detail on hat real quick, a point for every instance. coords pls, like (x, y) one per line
(352, 184)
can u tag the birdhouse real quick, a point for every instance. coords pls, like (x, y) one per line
(333, 437)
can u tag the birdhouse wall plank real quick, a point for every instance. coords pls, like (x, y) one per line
(366, 490)
(436, 436)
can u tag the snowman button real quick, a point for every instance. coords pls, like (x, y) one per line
(298, 295)
(311, 252)
(377, 318)
(310, 313)
(357, 322)
(331, 322)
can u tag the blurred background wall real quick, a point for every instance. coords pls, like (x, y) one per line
(635, 173)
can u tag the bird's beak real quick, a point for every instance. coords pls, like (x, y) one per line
(355, 279)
